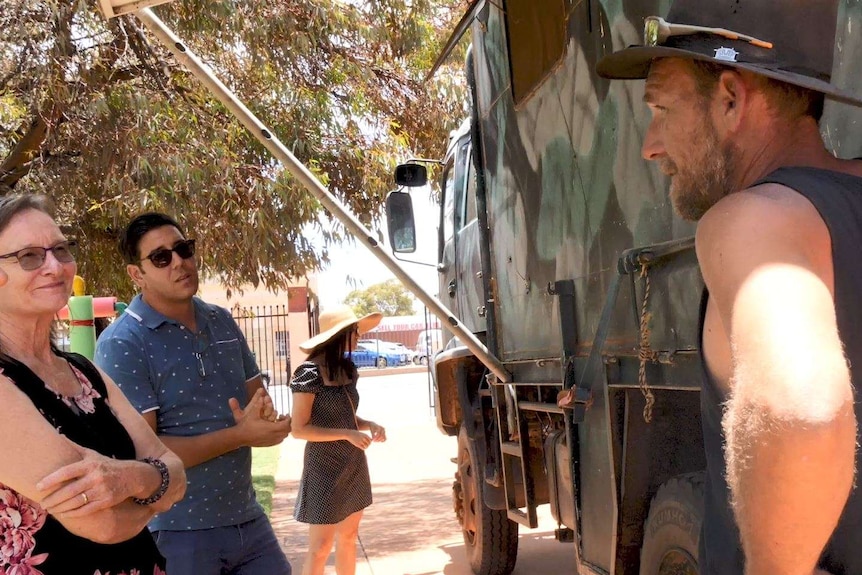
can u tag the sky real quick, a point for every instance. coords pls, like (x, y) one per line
(355, 261)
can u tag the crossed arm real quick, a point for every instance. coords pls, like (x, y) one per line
(64, 470)
(790, 425)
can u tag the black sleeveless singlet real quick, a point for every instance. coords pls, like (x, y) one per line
(838, 199)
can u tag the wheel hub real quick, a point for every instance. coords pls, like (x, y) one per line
(677, 562)
(465, 494)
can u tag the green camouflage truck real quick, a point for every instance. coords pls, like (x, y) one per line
(559, 250)
(574, 290)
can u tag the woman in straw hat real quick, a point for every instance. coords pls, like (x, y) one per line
(335, 487)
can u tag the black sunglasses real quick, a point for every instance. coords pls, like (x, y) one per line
(162, 257)
(33, 258)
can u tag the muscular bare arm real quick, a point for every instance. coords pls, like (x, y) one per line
(790, 425)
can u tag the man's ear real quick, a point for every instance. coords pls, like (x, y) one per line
(137, 274)
(731, 98)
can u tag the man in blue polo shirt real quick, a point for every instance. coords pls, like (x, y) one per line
(187, 368)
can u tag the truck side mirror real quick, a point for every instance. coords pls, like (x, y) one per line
(399, 219)
(411, 175)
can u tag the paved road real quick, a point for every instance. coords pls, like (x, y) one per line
(411, 528)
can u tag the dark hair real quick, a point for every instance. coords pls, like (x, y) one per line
(11, 206)
(333, 351)
(130, 239)
(789, 99)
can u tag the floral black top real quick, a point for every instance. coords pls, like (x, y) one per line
(32, 542)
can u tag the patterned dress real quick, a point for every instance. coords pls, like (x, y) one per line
(33, 542)
(335, 481)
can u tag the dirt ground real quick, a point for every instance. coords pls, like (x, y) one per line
(411, 528)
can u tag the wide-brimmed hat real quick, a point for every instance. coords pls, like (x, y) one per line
(788, 40)
(337, 318)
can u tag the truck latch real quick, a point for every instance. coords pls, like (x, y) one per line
(579, 399)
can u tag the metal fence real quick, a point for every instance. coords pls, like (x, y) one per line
(266, 329)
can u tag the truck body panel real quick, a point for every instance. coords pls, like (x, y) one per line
(589, 281)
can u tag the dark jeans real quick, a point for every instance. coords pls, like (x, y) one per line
(245, 549)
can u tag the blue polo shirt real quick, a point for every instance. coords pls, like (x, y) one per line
(187, 378)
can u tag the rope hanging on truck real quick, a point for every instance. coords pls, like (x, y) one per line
(645, 353)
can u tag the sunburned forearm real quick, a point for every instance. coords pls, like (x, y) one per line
(790, 478)
(197, 449)
(113, 525)
(315, 433)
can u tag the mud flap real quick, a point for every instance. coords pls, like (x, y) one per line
(561, 486)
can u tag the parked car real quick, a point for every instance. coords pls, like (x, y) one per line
(404, 353)
(408, 353)
(428, 343)
(370, 355)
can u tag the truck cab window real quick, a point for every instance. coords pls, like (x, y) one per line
(470, 200)
(449, 200)
(463, 189)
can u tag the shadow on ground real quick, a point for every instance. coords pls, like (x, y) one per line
(395, 522)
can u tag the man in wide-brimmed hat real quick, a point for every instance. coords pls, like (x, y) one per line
(736, 89)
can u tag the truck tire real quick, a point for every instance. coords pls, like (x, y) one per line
(490, 538)
(672, 529)
(381, 362)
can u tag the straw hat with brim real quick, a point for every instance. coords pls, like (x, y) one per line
(333, 320)
(801, 34)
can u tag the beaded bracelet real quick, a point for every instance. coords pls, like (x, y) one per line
(163, 487)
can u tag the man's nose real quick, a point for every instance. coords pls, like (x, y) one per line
(652, 147)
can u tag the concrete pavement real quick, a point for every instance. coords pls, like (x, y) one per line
(411, 527)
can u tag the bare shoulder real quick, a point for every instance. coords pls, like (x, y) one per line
(773, 205)
(15, 402)
(110, 384)
(761, 223)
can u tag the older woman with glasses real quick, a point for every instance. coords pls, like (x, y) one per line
(82, 472)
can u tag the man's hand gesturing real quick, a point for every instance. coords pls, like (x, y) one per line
(256, 430)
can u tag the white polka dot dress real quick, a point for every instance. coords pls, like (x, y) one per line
(335, 481)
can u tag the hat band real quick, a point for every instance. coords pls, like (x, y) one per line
(723, 50)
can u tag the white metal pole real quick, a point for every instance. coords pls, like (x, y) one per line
(307, 179)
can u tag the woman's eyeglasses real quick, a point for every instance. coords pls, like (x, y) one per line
(162, 257)
(33, 258)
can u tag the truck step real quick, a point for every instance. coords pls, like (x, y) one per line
(540, 407)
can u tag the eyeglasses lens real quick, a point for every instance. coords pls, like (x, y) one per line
(32, 258)
(162, 257)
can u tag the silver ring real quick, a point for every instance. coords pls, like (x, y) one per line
(85, 498)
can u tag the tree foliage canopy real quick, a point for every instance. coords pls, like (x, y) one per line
(389, 298)
(97, 115)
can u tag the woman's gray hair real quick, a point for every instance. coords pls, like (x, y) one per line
(14, 204)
